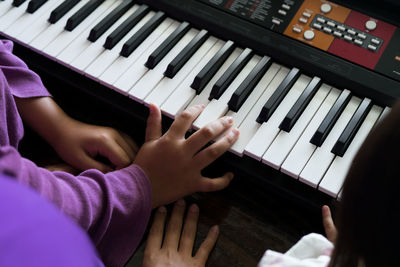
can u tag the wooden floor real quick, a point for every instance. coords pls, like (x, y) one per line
(251, 218)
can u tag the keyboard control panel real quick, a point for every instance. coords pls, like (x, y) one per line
(325, 25)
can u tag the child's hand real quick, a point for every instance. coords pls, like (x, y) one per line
(177, 248)
(173, 163)
(329, 226)
(81, 144)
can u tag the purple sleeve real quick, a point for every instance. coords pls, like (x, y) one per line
(34, 233)
(23, 82)
(113, 208)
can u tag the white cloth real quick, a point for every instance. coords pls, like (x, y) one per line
(313, 250)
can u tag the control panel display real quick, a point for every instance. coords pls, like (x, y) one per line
(271, 14)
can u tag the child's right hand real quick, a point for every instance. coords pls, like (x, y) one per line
(173, 164)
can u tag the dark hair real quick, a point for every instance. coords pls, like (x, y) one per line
(368, 217)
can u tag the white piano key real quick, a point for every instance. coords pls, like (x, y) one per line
(121, 74)
(322, 156)
(219, 107)
(90, 53)
(146, 84)
(284, 142)
(48, 31)
(66, 37)
(27, 19)
(79, 44)
(333, 180)
(12, 15)
(249, 125)
(179, 99)
(303, 150)
(5, 7)
(167, 86)
(97, 67)
(202, 98)
(270, 129)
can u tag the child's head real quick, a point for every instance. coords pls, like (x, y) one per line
(369, 221)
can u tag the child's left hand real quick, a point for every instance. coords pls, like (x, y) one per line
(81, 144)
(77, 143)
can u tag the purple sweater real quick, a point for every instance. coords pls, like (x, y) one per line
(35, 233)
(113, 208)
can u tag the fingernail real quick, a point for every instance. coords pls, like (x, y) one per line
(162, 209)
(215, 229)
(234, 133)
(230, 176)
(228, 119)
(200, 106)
(151, 108)
(194, 208)
(180, 202)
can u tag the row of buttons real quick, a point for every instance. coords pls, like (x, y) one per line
(344, 32)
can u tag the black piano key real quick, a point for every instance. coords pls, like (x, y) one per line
(82, 14)
(329, 121)
(181, 59)
(142, 34)
(126, 26)
(247, 86)
(109, 20)
(300, 105)
(35, 5)
(160, 52)
(352, 127)
(61, 10)
(209, 70)
(230, 74)
(277, 97)
(17, 3)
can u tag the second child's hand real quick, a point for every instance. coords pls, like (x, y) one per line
(329, 226)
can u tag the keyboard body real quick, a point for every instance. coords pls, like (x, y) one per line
(293, 46)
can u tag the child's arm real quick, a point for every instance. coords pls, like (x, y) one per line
(113, 208)
(76, 143)
(174, 163)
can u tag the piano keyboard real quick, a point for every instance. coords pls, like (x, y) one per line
(288, 120)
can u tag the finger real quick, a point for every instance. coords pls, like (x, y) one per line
(153, 129)
(125, 147)
(156, 233)
(175, 226)
(206, 134)
(211, 153)
(329, 226)
(131, 143)
(207, 245)
(189, 230)
(214, 184)
(112, 150)
(184, 120)
(86, 162)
